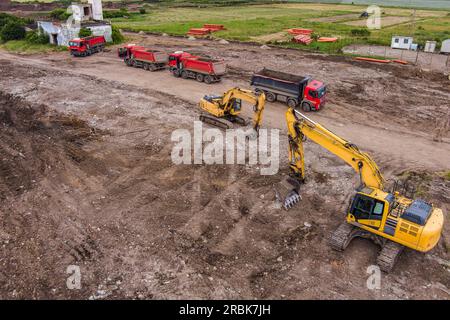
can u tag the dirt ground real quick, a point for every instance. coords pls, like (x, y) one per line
(86, 179)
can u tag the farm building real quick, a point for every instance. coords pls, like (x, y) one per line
(430, 46)
(400, 42)
(85, 15)
(445, 47)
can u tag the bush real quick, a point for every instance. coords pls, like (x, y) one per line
(59, 14)
(115, 13)
(37, 37)
(360, 32)
(85, 32)
(142, 11)
(117, 36)
(5, 18)
(12, 31)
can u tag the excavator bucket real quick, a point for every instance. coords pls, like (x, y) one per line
(287, 192)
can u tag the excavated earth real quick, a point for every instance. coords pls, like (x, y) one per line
(86, 179)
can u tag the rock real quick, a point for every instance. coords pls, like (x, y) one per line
(280, 259)
(223, 41)
(141, 32)
(265, 47)
(307, 224)
(165, 35)
(191, 38)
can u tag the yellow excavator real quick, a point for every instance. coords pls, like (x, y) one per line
(391, 220)
(223, 111)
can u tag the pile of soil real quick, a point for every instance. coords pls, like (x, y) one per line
(35, 141)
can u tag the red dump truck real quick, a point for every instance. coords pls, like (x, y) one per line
(141, 57)
(82, 47)
(185, 65)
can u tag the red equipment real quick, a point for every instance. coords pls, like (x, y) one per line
(199, 31)
(372, 60)
(303, 39)
(86, 46)
(214, 27)
(185, 65)
(296, 31)
(141, 57)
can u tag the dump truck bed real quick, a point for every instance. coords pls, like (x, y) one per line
(280, 82)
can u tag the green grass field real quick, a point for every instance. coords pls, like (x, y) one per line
(258, 22)
(22, 46)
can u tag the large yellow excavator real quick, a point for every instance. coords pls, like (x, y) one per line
(393, 221)
(223, 111)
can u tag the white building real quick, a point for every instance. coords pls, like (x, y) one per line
(445, 47)
(430, 46)
(84, 15)
(400, 42)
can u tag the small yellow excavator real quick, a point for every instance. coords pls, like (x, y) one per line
(223, 111)
(391, 220)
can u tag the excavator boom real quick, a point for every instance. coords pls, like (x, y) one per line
(301, 127)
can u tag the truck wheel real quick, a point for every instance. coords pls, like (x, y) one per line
(128, 62)
(176, 73)
(292, 103)
(184, 74)
(199, 77)
(271, 97)
(152, 67)
(146, 66)
(306, 106)
(208, 80)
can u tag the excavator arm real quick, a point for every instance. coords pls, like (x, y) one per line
(301, 127)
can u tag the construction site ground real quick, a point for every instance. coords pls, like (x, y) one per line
(86, 179)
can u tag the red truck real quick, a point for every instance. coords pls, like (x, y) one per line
(295, 90)
(82, 47)
(185, 65)
(141, 57)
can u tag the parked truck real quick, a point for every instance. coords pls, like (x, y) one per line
(185, 65)
(141, 57)
(296, 91)
(82, 47)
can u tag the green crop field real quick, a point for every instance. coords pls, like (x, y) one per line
(266, 23)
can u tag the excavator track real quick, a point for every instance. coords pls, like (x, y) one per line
(388, 255)
(342, 236)
(217, 122)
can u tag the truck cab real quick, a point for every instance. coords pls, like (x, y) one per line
(77, 46)
(176, 57)
(315, 93)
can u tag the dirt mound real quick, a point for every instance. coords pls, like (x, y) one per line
(33, 141)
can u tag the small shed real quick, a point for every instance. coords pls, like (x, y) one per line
(445, 47)
(430, 46)
(401, 42)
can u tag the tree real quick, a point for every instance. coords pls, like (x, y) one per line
(12, 31)
(85, 32)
